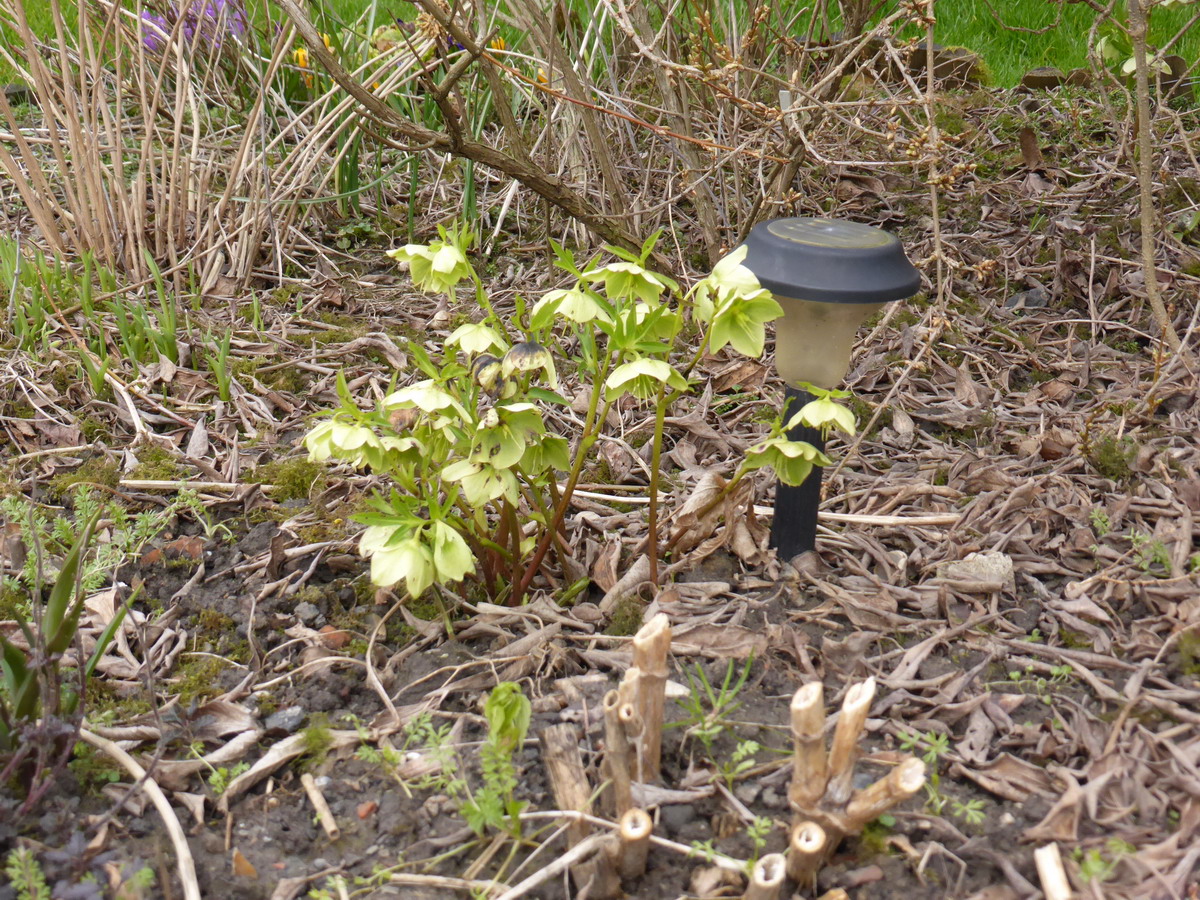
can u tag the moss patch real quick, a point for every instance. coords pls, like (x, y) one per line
(626, 617)
(157, 464)
(97, 470)
(294, 479)
(1111, 456)
(199, 678)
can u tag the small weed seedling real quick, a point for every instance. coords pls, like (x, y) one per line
(1150, 555)
(758, 831)
(1042, 687)
(494, 805)
(26, 875)
(1096, 866)
(422, 737)
(934, 746)
(739, 763)
(708, 709)
(219, 777)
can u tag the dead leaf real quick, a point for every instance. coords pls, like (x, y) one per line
(1009, 777)
(197, 445)
(714, 882)
(1030, 152)
(334, 638)
(604, 569)
(634, 576)
(1061, 823)
(186, 547)
(720, 642)
(242, 867)
(194, 803)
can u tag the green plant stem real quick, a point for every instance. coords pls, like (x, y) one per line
(662, 404)
(660, 415)
(586, 442)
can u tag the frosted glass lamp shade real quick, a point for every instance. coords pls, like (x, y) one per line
(813, 340)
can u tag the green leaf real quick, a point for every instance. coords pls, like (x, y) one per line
(550, 451)
(508, 713)
(60, 619)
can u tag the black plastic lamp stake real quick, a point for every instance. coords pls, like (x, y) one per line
(794, 525)
(829, 276)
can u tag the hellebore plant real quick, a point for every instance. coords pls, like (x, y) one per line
(480, 481)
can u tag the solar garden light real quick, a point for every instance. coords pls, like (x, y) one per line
(829, 276)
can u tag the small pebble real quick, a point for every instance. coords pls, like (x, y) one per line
(307, 612)
(287, 720)
(772, 799)
(747, 792)
(676, 815)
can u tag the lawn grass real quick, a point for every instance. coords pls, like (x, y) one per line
(961, 23)
(1010, 54)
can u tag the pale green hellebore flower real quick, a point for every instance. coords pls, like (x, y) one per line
(475, 339)
(825, 414)
(574, 305)
(425, 396)
(451, 556)
(792, 461)
(529, 356)
(642, 378)
(481, 482)
(623, 280)
(339, 439)
(393, 561)
(728, 279)
(741, 322)
(435, 268)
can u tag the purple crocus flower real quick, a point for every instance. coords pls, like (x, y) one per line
(212, 20)
(155, 32)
